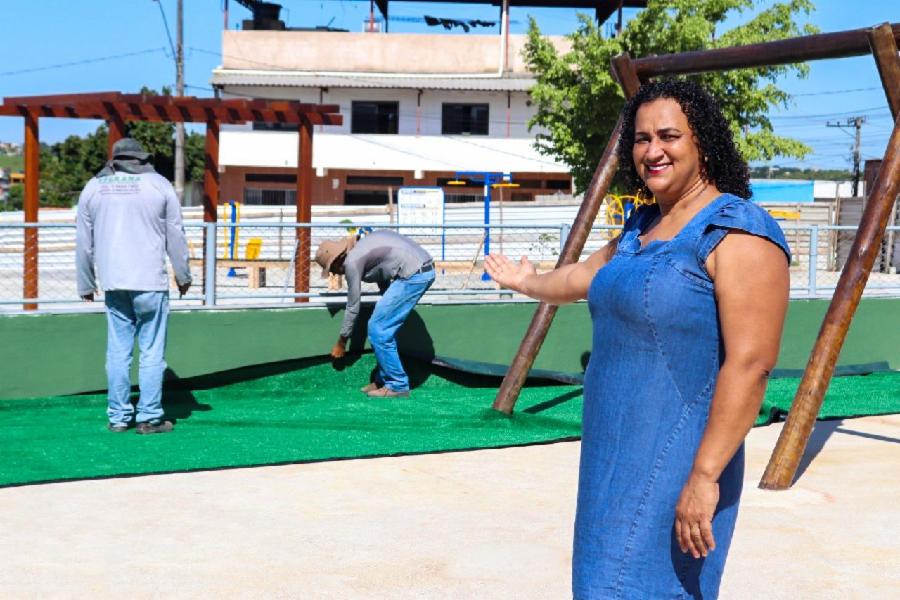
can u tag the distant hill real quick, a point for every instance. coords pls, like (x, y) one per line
(14, 162)
(776, 172)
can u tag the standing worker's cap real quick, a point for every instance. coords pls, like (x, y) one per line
(330, 250)
(131, 148)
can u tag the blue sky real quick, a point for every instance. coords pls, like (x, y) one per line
(61, 46)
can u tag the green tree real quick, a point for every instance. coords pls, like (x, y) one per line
(14, 198)
(194, 156)
(68, 165)
(578, 101)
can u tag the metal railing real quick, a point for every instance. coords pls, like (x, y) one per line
(256, 263)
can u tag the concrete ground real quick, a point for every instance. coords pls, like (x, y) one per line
(490, 524)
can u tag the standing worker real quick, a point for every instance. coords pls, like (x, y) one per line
(128, 220)
(403, 271)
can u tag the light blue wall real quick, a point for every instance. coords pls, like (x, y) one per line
(780, 190)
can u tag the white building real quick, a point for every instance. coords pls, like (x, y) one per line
(418, 109)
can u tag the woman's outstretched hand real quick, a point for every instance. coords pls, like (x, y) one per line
(694, 514)
(507, 273)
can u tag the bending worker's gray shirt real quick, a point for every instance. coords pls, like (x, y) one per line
(127, 224)
(380, 257)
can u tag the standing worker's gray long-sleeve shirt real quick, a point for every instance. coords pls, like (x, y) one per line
(380, 257)
(127, 224)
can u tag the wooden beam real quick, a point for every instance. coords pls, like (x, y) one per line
(624, 72)
(785, 459)
(811, 47)
(33, 101)
(508, 393)
(305, 176)
(135, 107)
(211, 172)
(31, 202)
(884, 50)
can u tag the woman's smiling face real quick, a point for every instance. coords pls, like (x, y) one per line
(665, 152)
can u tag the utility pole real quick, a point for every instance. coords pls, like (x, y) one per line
(179, 91)
(855, 122)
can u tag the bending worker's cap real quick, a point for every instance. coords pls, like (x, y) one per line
(329, 251)
(129, 148)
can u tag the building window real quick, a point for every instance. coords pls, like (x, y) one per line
(270, 178)
(559, 184)
(366, 197)
(270, 197)
(373, 180)
(460, 198)
(374, 117)
(465, 119)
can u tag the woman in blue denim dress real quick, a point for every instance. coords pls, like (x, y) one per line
(687, 306)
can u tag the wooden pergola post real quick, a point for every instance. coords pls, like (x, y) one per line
(211, 172)
(31, 203)
(304, 208)
(783, 464)
(505, 401)
(210, 200)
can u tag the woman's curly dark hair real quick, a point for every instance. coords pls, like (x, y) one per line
(720, 162)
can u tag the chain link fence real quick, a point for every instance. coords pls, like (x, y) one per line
(271, 263)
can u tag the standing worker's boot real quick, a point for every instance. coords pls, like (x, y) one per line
(387, 392)
(150, 427)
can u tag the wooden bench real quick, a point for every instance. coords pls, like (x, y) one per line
(256, 269)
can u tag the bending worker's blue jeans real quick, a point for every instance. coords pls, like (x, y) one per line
(389, 314)
(145, 314)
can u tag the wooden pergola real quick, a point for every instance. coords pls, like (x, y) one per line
(881, 43)
(117, 108)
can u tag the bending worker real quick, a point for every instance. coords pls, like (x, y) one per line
(403, 271)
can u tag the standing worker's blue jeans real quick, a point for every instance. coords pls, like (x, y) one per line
(145, 314)
(389, 314)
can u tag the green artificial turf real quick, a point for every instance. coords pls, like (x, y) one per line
(309, 411)
(873, 394)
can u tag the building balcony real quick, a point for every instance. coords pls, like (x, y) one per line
(386, 152)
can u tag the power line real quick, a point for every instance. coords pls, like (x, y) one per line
(83, 62)
(166, 24)
(833, 92)
(830, 115)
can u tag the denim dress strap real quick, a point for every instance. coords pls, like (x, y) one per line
(636, 223)
(741, 215)
(726, 214)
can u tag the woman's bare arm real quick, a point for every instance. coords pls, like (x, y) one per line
(751, 286)
(559, 286)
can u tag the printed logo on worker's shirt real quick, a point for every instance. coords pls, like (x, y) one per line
(120, 184)
(119, 179)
